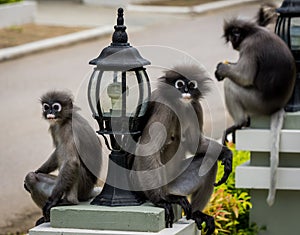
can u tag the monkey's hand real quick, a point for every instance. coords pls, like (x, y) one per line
(227, 163)
(220, 71)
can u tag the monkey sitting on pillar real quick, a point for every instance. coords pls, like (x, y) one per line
(260, 83)
(77, 157)
(262, 80)
(162, 169)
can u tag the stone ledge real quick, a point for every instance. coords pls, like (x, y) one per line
(145, 218)
(182, 227)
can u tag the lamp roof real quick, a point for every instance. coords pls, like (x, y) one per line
(120, 55)
(290, 8)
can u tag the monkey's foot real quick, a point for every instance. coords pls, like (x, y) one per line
(169, 213)
(232, 130)
(53, 203)
(200, 217)
(229, 130)
(227, 163)
(183, 202)
(46, 210)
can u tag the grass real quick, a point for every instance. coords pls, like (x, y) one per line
(17, 35)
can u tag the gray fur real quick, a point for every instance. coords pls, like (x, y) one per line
(276, 125)
(260, 83)
(72, 139)
(262, 80)
(166, 173)
(40, 187)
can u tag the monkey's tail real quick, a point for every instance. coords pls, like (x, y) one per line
(276, 125)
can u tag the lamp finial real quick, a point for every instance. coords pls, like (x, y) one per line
(120, 36)
(120, 20)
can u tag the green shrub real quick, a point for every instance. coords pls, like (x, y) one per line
(9, 1)
(231, 206)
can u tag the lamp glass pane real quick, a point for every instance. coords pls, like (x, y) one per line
(121, 93)
(295, 33)
(133, 93)
(145, 92)
(92, 92)
(110, 94)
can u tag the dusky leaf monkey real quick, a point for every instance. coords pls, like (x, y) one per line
(259, 83)
(173, 131)
(77, 157)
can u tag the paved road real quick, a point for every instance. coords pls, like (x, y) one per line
(24, 140)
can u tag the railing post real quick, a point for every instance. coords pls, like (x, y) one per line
(283, 216)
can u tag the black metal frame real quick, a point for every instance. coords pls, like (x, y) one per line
(127, 59)
(288, 10)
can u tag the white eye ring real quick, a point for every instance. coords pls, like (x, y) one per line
(179, 84)
(46, 107)
(56, 107)
(194, 84)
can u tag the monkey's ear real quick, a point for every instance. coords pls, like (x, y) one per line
(76, 108)
(165, 81)
(162, 79)
(226, 29)
(246, 27)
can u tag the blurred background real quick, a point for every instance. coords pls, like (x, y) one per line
(165, 32)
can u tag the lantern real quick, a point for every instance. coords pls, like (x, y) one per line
(118, 92)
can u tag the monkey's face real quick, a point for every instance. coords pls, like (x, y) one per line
(236, 30)
(235, 36)
(56, 106)
(52, 111)
(186, 90)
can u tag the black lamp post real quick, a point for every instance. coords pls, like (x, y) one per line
(118, 92)
(288, 28)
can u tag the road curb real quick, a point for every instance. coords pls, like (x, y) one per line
(13, 52)
(202, 8)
